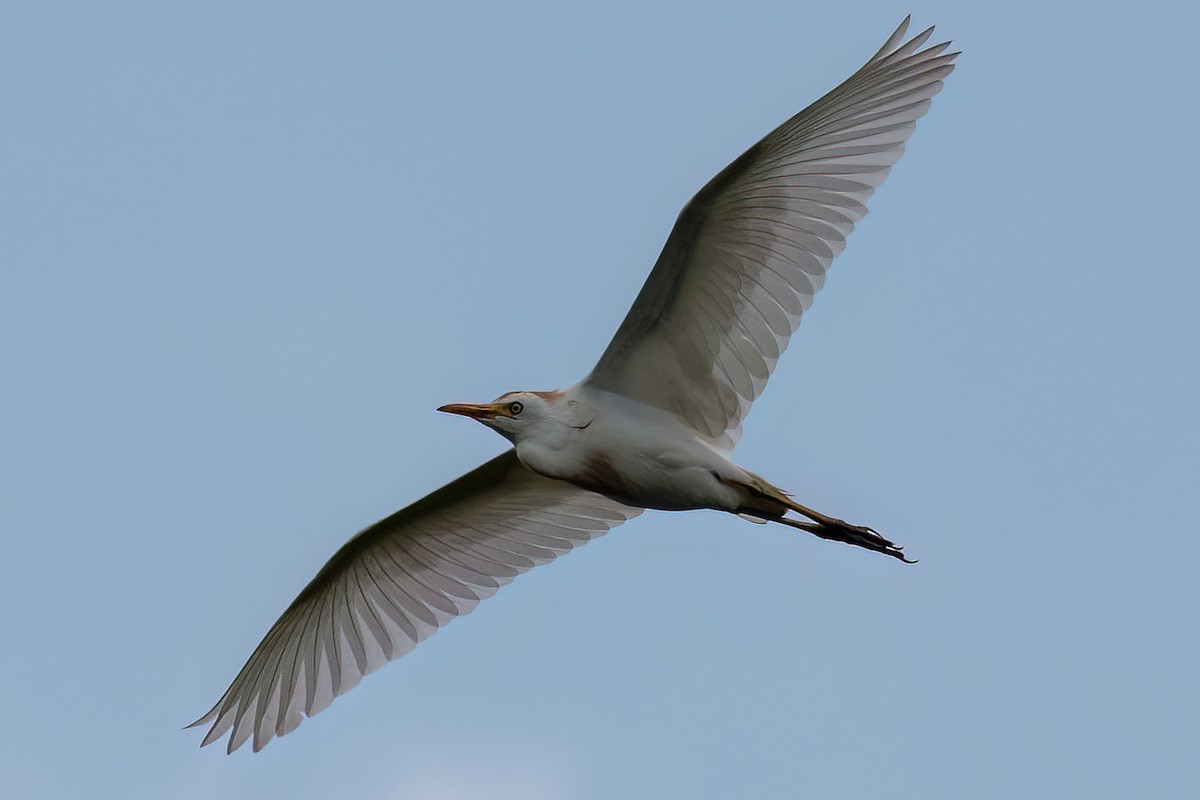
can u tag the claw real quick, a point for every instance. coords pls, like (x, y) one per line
(826, 527)
(836, 530)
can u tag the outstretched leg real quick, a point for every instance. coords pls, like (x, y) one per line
(836, 530)
(770, 503)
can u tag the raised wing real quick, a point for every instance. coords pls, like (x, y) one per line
(397, 582)
(750, 250)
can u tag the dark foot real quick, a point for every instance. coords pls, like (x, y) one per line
(836, 530)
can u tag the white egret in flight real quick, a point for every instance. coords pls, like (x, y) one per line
(651, 426)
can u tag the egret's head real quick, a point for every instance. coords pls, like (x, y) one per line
(510, 414)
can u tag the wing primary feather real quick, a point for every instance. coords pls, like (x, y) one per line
(893, 40)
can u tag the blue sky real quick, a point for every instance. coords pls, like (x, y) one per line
(247, 249)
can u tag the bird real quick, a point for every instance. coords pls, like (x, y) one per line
(652, 426)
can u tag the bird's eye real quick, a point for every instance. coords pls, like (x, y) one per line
(515, 408)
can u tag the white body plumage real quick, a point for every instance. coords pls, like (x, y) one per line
(623, 449)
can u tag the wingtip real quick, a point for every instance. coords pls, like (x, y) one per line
(896, 42)
(197, 723)
(893, 40)
(204, 720)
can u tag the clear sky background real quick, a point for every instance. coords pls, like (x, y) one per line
(247, 249)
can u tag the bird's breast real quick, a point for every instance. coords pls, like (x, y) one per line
(598, 473)
(637, 474)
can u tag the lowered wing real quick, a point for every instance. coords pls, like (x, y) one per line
(397, 582)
